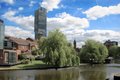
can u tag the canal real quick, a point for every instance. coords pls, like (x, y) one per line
(84, 72)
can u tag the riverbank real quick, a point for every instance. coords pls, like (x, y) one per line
(31, 66)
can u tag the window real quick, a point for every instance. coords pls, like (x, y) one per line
(5, 43)
(12, 57)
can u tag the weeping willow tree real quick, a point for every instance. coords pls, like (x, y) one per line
(93, 51)
(58, 52)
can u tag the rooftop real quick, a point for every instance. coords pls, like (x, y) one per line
(21, 41)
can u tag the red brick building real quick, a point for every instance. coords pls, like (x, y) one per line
(13, 47)
(10, 47)
(21, 45)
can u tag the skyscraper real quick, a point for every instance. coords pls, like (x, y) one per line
(40, 23)
(2, 30)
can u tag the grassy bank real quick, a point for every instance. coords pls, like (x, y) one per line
(30, 65)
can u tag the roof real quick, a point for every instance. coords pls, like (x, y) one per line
(20, 41)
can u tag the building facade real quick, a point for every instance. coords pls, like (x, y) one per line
(40, 23)
(2, 30)
(8, 56)
(110, 43)
(11, 47)
(20, 45)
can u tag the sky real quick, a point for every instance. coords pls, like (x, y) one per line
(78, 19)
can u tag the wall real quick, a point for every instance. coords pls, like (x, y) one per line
(1, 57)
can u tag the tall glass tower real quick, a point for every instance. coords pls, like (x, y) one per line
(40, 23)
(2, 30)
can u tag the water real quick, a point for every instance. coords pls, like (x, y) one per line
(85, 72)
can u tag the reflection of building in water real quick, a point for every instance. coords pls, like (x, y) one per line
(40, 23)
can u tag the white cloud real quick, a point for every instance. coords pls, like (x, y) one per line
(72, 27)
(50, 4)
(102, 35)
(81, 35)
(79, 9)
(32, 3)
(17, 32)
(8, 1)
(99, 11)
(61, 21)
(64, 20)
(20, 8)
(9, 13)
(26, 22)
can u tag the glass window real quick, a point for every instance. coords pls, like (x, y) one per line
(5, 43)
(12, 57)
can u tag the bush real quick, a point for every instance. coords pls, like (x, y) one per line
(25, 61)
(22, 56)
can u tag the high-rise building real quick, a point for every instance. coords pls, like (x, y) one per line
(2, 30)
(40, 23)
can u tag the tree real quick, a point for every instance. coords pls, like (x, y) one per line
(57, 50)
(114, 51)
(36, 51)
(93, 51)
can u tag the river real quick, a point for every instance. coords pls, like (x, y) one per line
(84, 72)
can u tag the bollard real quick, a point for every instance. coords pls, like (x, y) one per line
(117, 76)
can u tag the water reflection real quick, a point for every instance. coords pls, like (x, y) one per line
(69, 74)
(96, 72)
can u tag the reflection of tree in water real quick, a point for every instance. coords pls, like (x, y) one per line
(6, 77)
(86, 72)
(68, 74)
(93, 73)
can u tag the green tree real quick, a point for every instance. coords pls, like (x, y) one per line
(57, 50)
(93, 51)
(36, 51)
(114, 51)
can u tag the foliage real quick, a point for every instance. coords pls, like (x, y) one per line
(25, 61)
(93, 52)
(22, 56)
(36, 51)
(57, 51)
(114, 51)
(25, 57)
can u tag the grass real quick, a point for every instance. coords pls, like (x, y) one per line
(30, 65)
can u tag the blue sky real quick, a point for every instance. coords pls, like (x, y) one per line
(77, 19)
